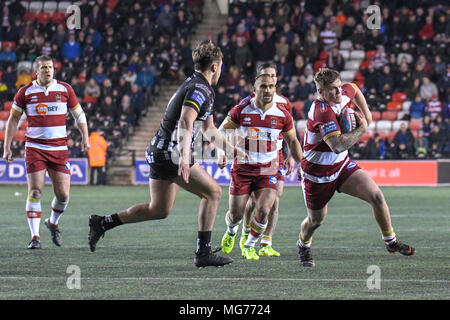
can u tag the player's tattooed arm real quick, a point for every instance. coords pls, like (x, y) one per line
(341, 142)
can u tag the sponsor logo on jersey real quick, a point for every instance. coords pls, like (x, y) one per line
(198, 97)
(247, 120)
(273, 180)
(328, 127)
(58, 97)
(41, 109)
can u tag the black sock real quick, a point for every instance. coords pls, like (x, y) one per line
(111, 221)
(203, 241)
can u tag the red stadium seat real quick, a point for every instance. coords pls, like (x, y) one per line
(376, 115)
(112, 4)
(298, 106)
(366, 137)
(20, 135)
(2, 135)
(415, 133)
(58, 17)
(359, 76)
(415, 124)
(12, 44)
(319, 64)
(4, 115)
(364, 65)
(383, 134)
(389, 115)
(359, 83)
(394, 106)
(7, 105)
(399, 96)
(29, 16)
(43, 18)
(370, 54)
(57, 65)
(89, 99)
(324, 55)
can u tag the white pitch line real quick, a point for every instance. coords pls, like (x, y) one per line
(219, 279)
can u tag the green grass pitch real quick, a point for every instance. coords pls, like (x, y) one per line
(154, 260)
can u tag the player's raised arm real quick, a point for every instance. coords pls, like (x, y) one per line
(341, 142)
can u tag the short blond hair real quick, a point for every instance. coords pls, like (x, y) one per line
(325, 76)
(205, 54)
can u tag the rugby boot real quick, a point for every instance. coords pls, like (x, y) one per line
(398, 246)
(54, 232)
(205, 257)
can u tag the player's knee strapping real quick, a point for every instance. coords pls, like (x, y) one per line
(58, 209)
(34, 213)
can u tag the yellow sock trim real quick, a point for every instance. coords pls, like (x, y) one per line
(304, 241)
(266, 238)
(31, 199)
(388, 233)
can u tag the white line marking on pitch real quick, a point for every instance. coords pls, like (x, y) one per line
(219, 279)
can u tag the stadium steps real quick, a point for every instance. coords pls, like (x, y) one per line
(121, 171)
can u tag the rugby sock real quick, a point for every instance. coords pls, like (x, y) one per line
(256, 230)
(57, 210)
(232, 228)
(111, 221)
(246, 228)
(389, 236)
(34, 212)
(266, 240)
(203, 241)
(304, 243)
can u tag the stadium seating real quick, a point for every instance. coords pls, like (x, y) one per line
(7, 105)
(58, 17)
(2, 134)
(345, 54)
(348, 75)
(366, 137)
(63, 5)
(29, 16)
(298, 106)
(346, 45)
(376, 115)
(50, 6)
(415, 124)
(406, 105)
(396, 124)
(357, 55)
(36, 6)
(394, 106)
(352, 64)
(391, 135)
(5, 44)
(389, 115)
(385, 125)
(43, 18)
(20, 135)
(399, 96)
(4, 115)
(370, 54)
(301, 125)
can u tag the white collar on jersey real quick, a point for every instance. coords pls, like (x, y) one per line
(262, 113)
(47, 90)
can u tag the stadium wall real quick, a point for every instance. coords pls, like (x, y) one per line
(385, 173)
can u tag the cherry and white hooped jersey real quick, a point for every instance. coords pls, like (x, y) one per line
(320, 164)
(46, 110)
(261, 132)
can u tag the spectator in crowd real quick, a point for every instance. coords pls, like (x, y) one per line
(243, 56)
(421, 145)
(402, 78)
(436, 142)
(434, 107)
(97, 158)
(427, 125)
(302, 90)
(336, 60)
(71, 50)
(417, 108)
(23, 79)
(403, 142)
(427, 89)
(7, 57)
(92, 89)
(74, 149)
(386, 82)
(375, 148)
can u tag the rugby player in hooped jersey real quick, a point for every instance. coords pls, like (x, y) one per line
(287, 164)
(169, 155)
(46, 102)
(326, 166)
(261, 125)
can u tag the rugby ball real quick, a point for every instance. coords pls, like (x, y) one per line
(347, 120)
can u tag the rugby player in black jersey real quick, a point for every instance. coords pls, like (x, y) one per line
(169, 155)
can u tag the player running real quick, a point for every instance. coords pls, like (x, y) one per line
(261, 124)
(326, 166)
(286, 166)
(46, 101)
(170, 157)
